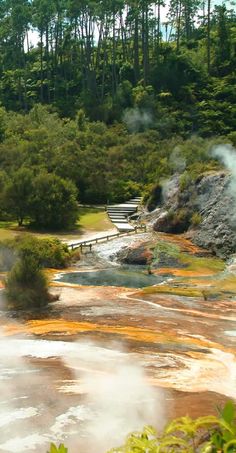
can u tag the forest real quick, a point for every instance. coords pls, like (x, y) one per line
(112, 98)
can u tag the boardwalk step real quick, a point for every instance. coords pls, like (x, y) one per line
(119, 213)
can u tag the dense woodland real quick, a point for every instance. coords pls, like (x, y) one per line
(111, 99)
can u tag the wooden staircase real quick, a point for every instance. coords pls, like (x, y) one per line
(119, 214)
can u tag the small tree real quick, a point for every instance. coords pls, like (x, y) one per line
(16, 196)
(26, 285)
(53, 202)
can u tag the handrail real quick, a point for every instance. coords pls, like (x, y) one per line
(91, 242)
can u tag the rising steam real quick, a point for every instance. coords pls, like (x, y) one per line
(111, 396)
(118, 395)
(227, 155)
(137, 120)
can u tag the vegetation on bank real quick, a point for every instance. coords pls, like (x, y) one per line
(26, 285)
(101, 117)
(49, 252)
(49, 164)
(25, 258)
(123, 59)
(90, 220)
(209, 434)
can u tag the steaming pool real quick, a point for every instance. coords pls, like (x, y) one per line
(121, 277)
(110, 358)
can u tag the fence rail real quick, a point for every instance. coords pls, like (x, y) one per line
(90, 242)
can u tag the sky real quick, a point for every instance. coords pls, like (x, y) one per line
(34, 36)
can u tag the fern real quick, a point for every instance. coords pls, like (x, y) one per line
(60, 449)
(208, 434)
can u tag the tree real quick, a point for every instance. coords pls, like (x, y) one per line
(208, 35)
(223, 32)
(26, 285)
(17, 194)
(53, 203)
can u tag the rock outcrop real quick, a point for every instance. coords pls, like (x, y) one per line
(138, 255)
(206, 208)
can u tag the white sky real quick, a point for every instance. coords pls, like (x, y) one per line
(34, 37)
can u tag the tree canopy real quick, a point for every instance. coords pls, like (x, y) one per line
(93, 54)
(94, 111)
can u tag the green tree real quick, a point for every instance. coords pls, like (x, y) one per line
(17, 194)
(53, 202)
(26, 285)
(224, 45)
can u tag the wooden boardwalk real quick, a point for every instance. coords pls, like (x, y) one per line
(82, 245)
(119, 214)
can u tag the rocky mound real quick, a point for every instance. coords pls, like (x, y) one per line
(206, 208)
(138, 255)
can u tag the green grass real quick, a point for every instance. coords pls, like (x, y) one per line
(176, 291)
(196, 263)
(91, 220)
(7, 230)
(193, 262)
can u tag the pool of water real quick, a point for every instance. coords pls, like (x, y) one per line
(112, 277)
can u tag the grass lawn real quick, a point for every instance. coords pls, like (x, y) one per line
(91, 220)
(8, 230)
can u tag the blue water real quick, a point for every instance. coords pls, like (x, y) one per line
(112, 277)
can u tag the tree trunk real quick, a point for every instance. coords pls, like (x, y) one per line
(136, 48)
(179, 11)
(208, 36)
(41, 66)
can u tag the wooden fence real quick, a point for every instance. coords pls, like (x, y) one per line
(90, 242)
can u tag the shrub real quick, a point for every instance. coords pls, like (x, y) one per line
(155, 197)
(48, 252)
(178, 221)
(26, 285)
(208, 434)
(204, 435)
(184, 181)
(196, 219)
(60, 449)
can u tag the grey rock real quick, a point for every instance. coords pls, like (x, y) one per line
(213, 198)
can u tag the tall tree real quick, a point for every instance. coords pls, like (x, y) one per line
(208, 35)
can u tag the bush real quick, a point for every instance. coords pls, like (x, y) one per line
(53, 203)
(48, 252)
(184, 181)
(155, 197)
(177, 221)
(196, 219)
(208, 434)
(26, 285)
(60, 449)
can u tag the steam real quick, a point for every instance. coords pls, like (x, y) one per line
(137, 120)
(118, 395)
(227, 155)
(177, 160)
(111, 395)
